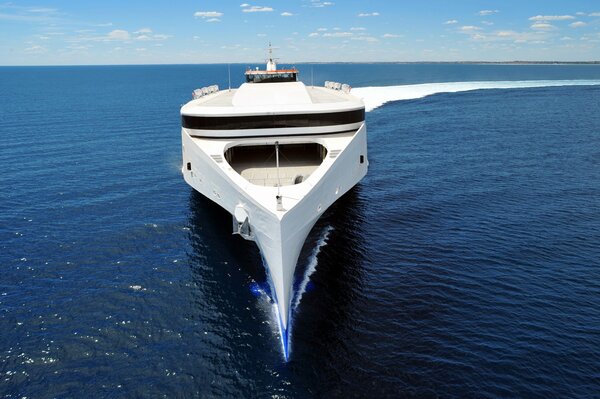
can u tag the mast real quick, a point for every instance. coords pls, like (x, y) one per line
(271, 66)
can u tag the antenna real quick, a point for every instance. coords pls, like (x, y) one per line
(229, 75)
(277, 162)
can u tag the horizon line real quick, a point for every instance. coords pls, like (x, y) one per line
(513, 62)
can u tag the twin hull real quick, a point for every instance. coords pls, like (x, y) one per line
(279, 234)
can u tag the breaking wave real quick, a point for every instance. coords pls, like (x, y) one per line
(377, 96)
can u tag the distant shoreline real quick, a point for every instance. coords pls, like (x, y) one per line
(475, 62)
(341, 62)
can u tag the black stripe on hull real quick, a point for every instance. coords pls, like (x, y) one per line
(272, 121)
(199, 136)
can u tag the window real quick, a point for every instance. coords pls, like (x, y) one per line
(271, 77)
(272, 121)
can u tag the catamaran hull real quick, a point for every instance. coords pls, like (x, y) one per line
(279, 234)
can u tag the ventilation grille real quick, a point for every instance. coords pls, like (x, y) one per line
(334, 153)
(217, 158)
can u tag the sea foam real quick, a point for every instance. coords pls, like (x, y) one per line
(377, 96)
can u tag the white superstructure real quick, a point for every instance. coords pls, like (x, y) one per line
(276, 154)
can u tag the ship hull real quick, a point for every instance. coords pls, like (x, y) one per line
(279, 230)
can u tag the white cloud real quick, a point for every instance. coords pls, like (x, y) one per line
(532, 37)
(389, 35)
(358, 28)
(546, 18)
(368, 14)
(257, 9)
(286, 14)
(594, 14)
(451, 22)
(487, 23)
(469, 28)
(320, 4)
(79, 47)
(151, 37)
(488, 12)
(121, 35)
(208, 14)
(42, 10)
(338, 34)
(27, 14)
(542, 26)
(36, 49)
(365, 38)
(213, 20)
(577, 24)
(118, 34)
(506, 33)
(314, 34)
(244, 5)
(322, 30)
(566, 38)
(261, 34)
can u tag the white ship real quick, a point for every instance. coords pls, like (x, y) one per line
(276, 154)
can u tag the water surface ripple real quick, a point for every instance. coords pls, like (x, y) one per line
(464, 265)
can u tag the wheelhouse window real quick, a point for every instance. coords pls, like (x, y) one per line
(271, 77)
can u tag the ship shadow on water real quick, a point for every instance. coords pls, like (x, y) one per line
(225, 269)
(211, 233)
(231, 327)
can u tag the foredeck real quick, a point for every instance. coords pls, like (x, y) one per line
(289, 173)
(316, 95)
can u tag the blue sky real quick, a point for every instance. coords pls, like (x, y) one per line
(67, 32)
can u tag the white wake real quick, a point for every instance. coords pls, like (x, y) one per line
(312, 266)
(377, 96)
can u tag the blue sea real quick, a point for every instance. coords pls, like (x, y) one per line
(465, 265)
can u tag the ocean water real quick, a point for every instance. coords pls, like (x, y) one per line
(465, 264)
